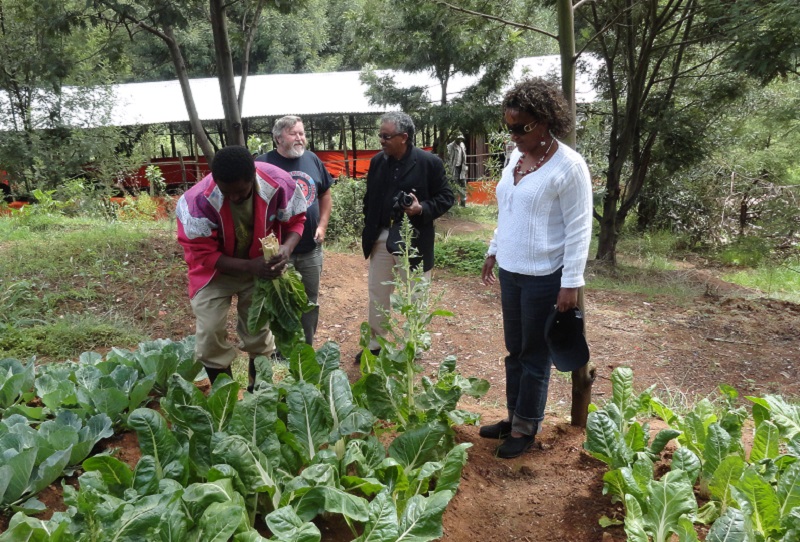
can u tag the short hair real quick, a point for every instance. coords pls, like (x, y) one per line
(282, 123)
(402, 123)
(232, 164)
(544, 101)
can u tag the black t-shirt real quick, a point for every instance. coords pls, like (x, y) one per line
(313, 179)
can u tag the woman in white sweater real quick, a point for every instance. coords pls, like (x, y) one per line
(540, 245)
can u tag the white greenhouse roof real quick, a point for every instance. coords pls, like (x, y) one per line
(297, 94)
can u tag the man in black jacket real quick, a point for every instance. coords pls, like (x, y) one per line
(420, 175)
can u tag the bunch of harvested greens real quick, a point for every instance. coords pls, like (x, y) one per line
(279, 302)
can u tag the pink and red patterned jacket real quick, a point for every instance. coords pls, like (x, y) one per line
(205, 223)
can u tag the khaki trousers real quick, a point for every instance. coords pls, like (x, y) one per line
(211, 306)
(381, 270)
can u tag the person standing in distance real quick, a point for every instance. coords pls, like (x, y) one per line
(400, 167)
(541, 244)
(315, 182)
(457, 159)
(221, 220)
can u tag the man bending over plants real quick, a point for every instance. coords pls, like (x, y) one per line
(221, 220)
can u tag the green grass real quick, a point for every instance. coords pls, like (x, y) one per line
(464, 255)
(67, 337)
(652, 251)
(60, 284)
(779, 281)
(646, 281)
(484, 214)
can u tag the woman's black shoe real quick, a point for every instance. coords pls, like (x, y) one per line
(515, 446)
(496, 430)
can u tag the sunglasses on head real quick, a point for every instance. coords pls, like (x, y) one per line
(521, 130)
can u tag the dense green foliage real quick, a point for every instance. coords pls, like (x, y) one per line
(748, 494)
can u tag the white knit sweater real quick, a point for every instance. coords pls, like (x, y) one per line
(545, 221)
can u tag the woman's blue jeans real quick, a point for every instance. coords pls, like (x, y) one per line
(526, 302)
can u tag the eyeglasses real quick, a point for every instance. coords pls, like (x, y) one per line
(387, 137)
(522, 130)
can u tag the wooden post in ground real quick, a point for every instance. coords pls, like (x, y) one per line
(582, 380)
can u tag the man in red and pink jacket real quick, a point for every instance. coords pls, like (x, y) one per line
(220, 222)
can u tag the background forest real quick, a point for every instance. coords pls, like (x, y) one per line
(695, 130)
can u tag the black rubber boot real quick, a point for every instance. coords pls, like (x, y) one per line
(214, 373)
(251, 374)
(497, 430)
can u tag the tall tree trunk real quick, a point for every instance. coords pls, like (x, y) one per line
(250, 29)
(186, 89)
(225, 75)
(566, 46)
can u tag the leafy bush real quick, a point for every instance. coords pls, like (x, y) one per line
(745, 252)
(464, 256)
(347, 215)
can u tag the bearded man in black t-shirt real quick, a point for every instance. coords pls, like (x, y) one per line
(314, 180)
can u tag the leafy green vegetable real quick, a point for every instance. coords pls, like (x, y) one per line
(279, 303)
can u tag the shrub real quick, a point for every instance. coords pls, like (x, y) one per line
(347, 215)
(464, 256)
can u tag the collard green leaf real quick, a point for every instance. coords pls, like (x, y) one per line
(417, 446)
(684, 459)
(634, 520)
(759, 501)
(304, 366)
(382, 523)
(765, 443)
(155, 438)
(454, 461)
(117, 475)
(730, 527)
(604, 442)
(332, 500)
(309, 420)
(421, 520)
(668, 500)
(221, 401)
(725, 477)
(255, 415)
(715, 448)
(15, 472)
(789, 489)
(662, 439)
(250, 463)
(622, 387)
(286, 526)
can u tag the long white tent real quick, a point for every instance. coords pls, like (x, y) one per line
(299, 94)
(333, 93)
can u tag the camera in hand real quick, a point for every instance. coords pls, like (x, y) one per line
(402, 201)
